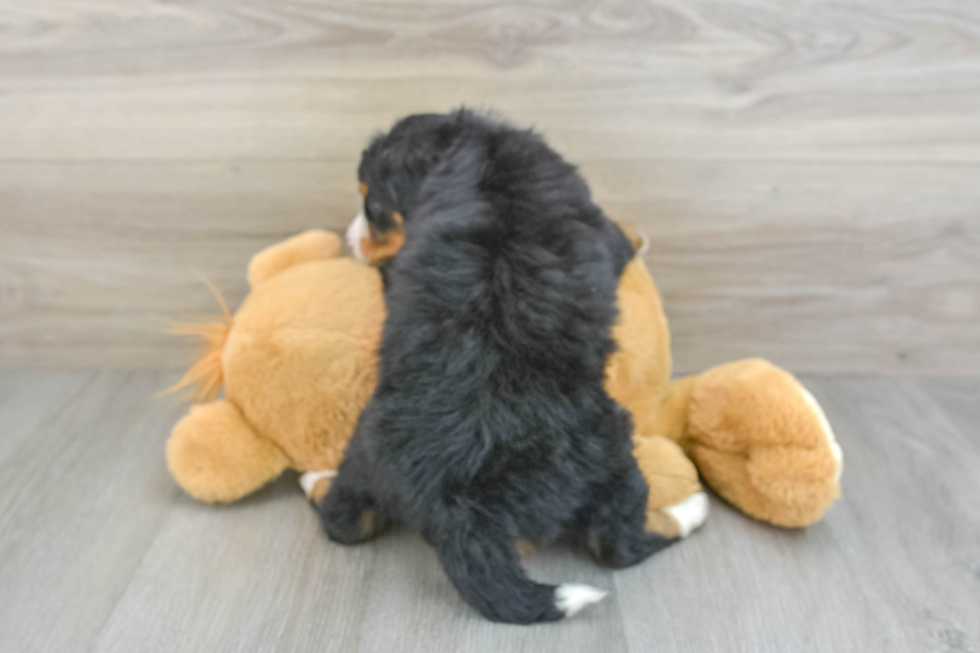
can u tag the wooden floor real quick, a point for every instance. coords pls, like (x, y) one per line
(100, 551)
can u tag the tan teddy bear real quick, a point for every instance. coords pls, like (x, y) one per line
(298, 363)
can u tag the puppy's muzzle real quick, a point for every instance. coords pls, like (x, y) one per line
(356, 233)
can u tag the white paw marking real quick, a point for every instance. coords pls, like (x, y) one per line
(689, 513)
(357, 230)
(308, 480)
(570, 598)
(828, 432)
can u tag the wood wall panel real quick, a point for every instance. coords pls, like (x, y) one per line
(807, 171)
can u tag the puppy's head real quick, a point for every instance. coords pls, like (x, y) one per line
(391, 171)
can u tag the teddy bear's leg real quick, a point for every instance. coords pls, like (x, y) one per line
(762, 442)
(676, 504)
(215, 456)
(312, 245)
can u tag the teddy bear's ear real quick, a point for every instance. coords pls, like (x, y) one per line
(313, 245)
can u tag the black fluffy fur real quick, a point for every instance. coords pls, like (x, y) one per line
(490, 422)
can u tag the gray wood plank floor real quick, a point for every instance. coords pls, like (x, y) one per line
(100, 551)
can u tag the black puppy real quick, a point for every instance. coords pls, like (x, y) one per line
(490, 423)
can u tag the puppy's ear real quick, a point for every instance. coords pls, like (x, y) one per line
(619, 245)
(635, 237)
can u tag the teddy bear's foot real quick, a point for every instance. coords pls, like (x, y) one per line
(763, 443)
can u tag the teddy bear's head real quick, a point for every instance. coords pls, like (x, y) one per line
(300, 359)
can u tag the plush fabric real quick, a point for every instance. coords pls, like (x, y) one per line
(298, 363)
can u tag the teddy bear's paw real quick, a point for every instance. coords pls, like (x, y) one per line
(679, 519)
(801, 480)
(689, 513)
(785, 486)
(316, 484)
(763, 443)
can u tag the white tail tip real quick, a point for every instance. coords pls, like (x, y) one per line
(571, 598)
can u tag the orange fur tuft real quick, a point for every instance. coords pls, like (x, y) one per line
(207, 373)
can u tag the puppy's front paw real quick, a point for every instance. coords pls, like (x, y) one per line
(316, 484)
(689, 513)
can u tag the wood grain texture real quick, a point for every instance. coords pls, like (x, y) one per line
(81, 499)
(260, 79)
(806, 170)
(819, 267)
(100, 552)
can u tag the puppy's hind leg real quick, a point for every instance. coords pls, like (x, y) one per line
(484, 566)
(351, 512)
(615, 518)
(616, 534)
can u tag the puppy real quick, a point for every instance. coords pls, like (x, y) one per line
(490, 423)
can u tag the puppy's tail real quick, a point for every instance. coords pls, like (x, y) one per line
(487, 573)
(572, 597)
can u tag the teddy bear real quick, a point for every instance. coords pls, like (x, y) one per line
(298, 363)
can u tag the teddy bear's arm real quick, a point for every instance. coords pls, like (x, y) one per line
(215, 456)
(313, 245)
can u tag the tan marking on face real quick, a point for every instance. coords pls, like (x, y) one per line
(378, 247)
(362, 189)
(524, 548)
(365, 527)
